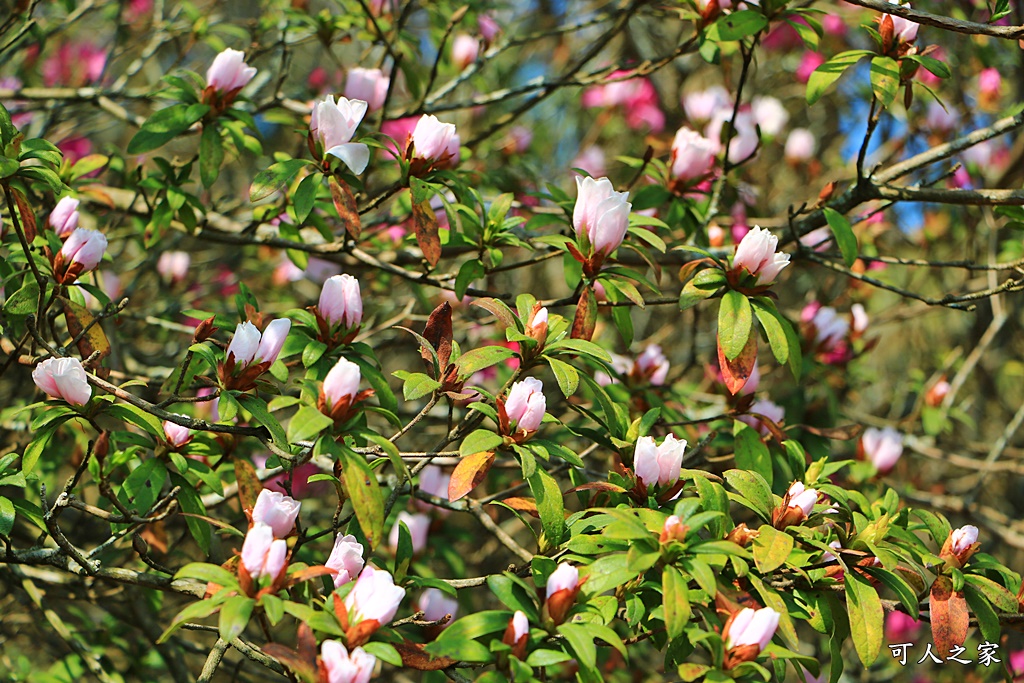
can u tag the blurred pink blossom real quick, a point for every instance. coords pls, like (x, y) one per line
(74, 65)
(809, 62)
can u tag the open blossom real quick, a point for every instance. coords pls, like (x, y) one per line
(435, 141)
(83, 250)
(229, 71)
(435, 605)
(176, 434)
(344, 666)
(173, 265)
(419, 527)
(904, 30)
(277, 511)
(63, 378)
(340, 301)
(830, 329)
(658, 464)
(347, 558)
(249, 346)
(601, 214)
(465, 49)
(964, 537)
(693, 155)
(748, 632)
(64, 217)
(374, 596)
(262, 553)
(369, 85)
(653, 365)
(882, 447)
(526, 404)
(756, 253)
(334, 123)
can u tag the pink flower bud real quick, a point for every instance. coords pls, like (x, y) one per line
(465, 49)
(342, 382)
(85, 248)
(565, 577)
(277, 511)
(435, 605)
(520, 625)
(756, 253)
(176, 434)
(526, 404)
(673, 530)
(64, 217)
(341, 302)
(939, 119)
(658, 464)
(244, 344)
(562, 587)
(800, 145)
(229, 71)
(488, 27)
(435, 141)
(809, 62)
(374, 596)
(769, 114)
(262, 554)
(601, 214)
(346, 667)
(693, 155)
(369, 85)
(653, 365)
(333, 124)
(63, 378)
(882, 447)
(752, 627)
(830, 328)
(419, 527)
(859, 318)
(989, 83)
(347, 558)
(272, 340)
(963, 538)
(937, 393)
(904, 30)
(173, 265)
(802, 498)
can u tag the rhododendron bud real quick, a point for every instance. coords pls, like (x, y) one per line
(341, 302)
(176, 434)
(904, 30)
(756, 253)
(83, 250)
(347, 558)
(63, 378)
(769, 114)
(742, 535)
(601, 214)
(419, 527)
(937, 393)
(64, 217)
(488, 27)
(673, 530)
(800, 145)
(882, 447)
(333, 124)
(435, 142)
(716, 235)
(262, 554)
(342, 382)
(465, 49)
(653, 365)
(693, 155)
(661, 465)
(525, 405)
(173, 265)
(374, 596)
(562, 588)
(229, 71)
(516, 633)
(747, 633)
(796, 506)
(537, 327)
(369, 85)
(960, 545)
(343, 666)
(272, 341)
(244, 344)
(277, 511)
(436, 605)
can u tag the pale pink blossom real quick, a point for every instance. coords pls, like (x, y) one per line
(262, 553)
(757, 254)
(752, 627)
(342, 382)
(744, 140)
(882, 447)
(904, 30)
(963, 538)
(769, 409)
(369, 85)
(940, 119)
(64, 217)
(347, 558)
(656, 464)
(565, 577)
(465, 49)
(601, 214)
(859, 318)
(173, 265)
(703, 105)
(419, 528)
(525, 405)
(63, 378)
(802, 498)
(277, 511)
(693, 155)
(801, 145)
(435, 605)
(374, 596)
(229, 71)
(176, 434)
(769, 113)
(334, 123)
(85, 248)
(341, 301)
(346, 667)
(590, 159)
(652, 363)
(435, 141)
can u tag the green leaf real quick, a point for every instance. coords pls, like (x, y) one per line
(197, 610)
(165, 125)
(305, 196)
(771, 548)
(751, 453)
(211, 155)
(469, 271)
(234, 616)
(25, 300)
(38, 443)
(142, 487)
(567, 376)
(676, 600)
(418, 385)
(993, 592)
(259, 410)
(988, 620)
(549, 505)
(734, 321)
(755, 493)
(482, 357)
(192, 503)
(935, 66)
(774, 326)
(581, 641)
(738, 25)
(210, 573)
(885, 79)
(306, 424)
(7, 514)
(272, 179)
(363, 490)
(479, 441)
(829, 72)
(312, 352)
(866, 617)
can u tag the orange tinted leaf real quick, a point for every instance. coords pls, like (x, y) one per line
(424, 223)
(468, 474)
(949, 616)
(345, 205)
(737, 371)
(249, 485)
(414, 657)
(586, 315)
